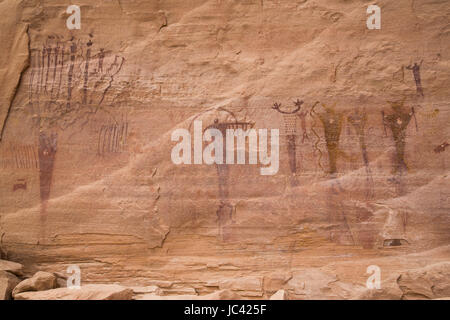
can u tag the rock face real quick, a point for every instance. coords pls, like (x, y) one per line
(88, 292)
(279, 295)
(87, 122)
(431, 282)
(12, 267)
(218, 295)
(7, 283)
(8, 278)
(39, 282)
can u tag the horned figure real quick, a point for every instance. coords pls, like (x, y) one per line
(416, 72)
(290, 128)
(332, 125)
(398, 122)
(225, 210)
(358, 120)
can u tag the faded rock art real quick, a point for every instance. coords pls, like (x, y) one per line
(332, 126)
(416, 72)
(225, 210)
(398, 122)
(340, 231)
(101, 169)
(302, 116)
(290, 129)
(359, 120)
(14, 156)
(112, 138)
(315, 147)
(440, 149)
(47, 154)
(21, 184)
(68, 81)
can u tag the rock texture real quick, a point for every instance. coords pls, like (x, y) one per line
(7, 283)
(39, 282)
(430, 282)
(88, 292)
(15, 58)
(218, 295)
(12, 267)
(279, 295)
(86, 118)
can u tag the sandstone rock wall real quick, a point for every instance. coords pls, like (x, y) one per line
(87, 115)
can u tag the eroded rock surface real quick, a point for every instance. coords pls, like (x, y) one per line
(12, 267)
(40, 281)
(86, 119)
(88, 292)
(7, 283)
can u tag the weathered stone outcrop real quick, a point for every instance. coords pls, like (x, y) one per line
(7, 283)
(12, 267)
(87, 292)
(430, 282)
(40, 281)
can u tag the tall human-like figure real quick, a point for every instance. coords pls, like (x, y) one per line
(416, 72)
(359, 120)
(290, 129)
(46, 153)
(332, 125)
(225, 210)
(397, 121)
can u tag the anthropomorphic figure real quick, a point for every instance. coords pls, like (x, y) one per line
(359, 120)
(46, 152)
(416, 72)
(397, 121)
(302, 116)
(290, 125)
(225, 210)
(332, 125)
(70, 80)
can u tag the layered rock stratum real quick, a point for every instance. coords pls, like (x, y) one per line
(87, 179)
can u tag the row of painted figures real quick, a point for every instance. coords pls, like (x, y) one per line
(397, 121)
